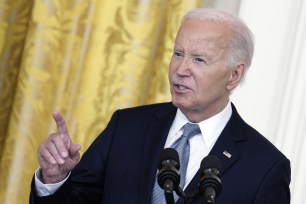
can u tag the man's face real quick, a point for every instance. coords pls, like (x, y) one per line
(198, 72)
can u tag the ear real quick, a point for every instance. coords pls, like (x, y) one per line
(236, 76)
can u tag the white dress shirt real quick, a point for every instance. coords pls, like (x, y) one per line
(46, 189)
(200, 145)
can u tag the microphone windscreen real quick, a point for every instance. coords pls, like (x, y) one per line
(209, 162)
(168, 177)
(169, 154)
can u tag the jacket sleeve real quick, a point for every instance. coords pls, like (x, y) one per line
(274, 188)
(62, 195)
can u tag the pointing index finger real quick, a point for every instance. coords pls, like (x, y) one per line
(61, 125)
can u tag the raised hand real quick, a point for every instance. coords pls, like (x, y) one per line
(57, 155)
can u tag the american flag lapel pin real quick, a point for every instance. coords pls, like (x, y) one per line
(227, 154)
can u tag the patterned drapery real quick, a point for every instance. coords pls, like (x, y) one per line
(84, 58)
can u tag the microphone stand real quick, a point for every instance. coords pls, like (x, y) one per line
(181, 194)
(196, 194)
(169, 197)
(168, 191)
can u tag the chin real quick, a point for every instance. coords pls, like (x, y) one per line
(180, 104)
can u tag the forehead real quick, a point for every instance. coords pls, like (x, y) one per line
(211, 34)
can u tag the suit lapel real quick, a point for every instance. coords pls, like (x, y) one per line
(225, 148)
(153, 145)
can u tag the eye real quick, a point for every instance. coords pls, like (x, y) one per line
(199, 60)
(177, 54)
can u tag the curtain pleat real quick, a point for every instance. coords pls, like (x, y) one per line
(14, 19)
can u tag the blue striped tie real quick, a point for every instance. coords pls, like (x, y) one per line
(183, 148)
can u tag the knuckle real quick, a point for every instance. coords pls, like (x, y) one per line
(42, 147)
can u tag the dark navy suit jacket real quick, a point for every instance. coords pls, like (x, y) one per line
(121, 164)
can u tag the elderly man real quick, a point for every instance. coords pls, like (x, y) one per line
(212, 52)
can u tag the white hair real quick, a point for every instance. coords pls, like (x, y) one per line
(241, 45)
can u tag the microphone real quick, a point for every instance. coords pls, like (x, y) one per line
(168, 177)
(210, 182)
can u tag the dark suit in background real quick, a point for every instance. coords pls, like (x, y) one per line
(120, 166)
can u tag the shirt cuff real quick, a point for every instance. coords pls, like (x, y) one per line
(46, 189)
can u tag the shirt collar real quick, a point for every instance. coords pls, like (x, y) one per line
(211, 128)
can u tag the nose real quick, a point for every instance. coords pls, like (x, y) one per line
(183, 67)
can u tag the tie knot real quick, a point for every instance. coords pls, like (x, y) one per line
(191, 129)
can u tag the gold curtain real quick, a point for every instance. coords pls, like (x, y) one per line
(85, 58)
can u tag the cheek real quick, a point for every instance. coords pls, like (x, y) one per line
(210, 84)
(171, 67)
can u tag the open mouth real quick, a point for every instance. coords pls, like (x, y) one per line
(181, 88)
